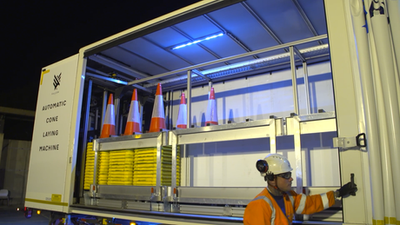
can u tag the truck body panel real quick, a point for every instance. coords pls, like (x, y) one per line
(51, 143)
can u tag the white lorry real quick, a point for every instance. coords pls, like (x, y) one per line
(300, 78)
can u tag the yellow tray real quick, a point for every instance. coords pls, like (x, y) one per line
(119, 183)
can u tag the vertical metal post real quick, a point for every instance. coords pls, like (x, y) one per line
(167, 110)
(96, 122)
(84, 139)
(141, 116)
(294, 81)
(272, 135)
(170, 110)
(158, 172)
(121, 121)
(173, 175)
(306, 84)
(189, 124)
(103, 109)
(171, 113)
(117, 102)
(96, 157)
(297, 153)
(189, 98)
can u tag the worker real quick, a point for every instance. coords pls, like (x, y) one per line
(277, 203)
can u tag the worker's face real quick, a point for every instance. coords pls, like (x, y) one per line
(284, 184)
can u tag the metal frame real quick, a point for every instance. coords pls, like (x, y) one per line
(254, 129)
(216, 201)
(228, 132)
(239, 131)
(297, 125)
(169, 19)
(271, 128)
(130, 142)
(293, 43)
(231, 36)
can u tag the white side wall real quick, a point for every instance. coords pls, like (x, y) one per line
(232, 164)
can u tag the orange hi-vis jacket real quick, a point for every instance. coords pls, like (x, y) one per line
(264, 209)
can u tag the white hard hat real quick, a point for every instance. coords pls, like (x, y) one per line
(277, 164)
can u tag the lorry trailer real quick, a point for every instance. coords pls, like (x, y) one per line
(316, 81)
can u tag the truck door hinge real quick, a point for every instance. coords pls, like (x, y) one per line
(350, 142)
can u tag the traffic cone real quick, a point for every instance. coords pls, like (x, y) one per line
(211, 115)
(157, 118)
(182, 113)
(133, 122)
(109, 119)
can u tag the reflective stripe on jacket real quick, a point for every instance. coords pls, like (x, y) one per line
(264, 209)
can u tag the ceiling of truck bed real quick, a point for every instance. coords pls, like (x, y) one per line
(239, 29)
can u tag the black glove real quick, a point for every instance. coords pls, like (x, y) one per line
(347, 189)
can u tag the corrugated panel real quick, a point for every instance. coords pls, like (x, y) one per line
(248, 26)
(153, 53)
(242, 25)
(198, 27)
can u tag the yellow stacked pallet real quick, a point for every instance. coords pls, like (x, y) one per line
(145, 167)
(120, 171)
(102, 167)
(101, 170)
(89, 166)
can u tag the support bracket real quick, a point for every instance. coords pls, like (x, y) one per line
(350, 142)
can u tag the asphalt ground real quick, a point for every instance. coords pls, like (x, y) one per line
(9, 215)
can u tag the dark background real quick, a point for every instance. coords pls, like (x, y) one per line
(35, 34)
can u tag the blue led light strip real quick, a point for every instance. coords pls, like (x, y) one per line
(198, 41)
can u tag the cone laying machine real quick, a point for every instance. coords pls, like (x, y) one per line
(305, 79)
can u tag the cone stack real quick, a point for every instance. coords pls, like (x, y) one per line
(211, 115)
(109, 119)
(158, 118)
(182, 113)
(133, 123)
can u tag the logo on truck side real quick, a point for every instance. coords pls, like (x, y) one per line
(56, 81)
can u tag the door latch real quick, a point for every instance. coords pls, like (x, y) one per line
(350, 142)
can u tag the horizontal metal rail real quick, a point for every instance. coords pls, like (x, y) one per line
(293, 43)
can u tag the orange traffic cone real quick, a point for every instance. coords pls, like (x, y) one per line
(211, 115)
(157, 118)
(133, 123)
(109, 119)
(182, 113)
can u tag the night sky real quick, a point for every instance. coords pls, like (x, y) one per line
(38, 33)
(35, 34)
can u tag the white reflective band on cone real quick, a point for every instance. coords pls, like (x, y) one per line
(211, 114)
(158, 110)
(110, 111)
(134, 111)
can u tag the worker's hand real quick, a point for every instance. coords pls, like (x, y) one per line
(347, 189)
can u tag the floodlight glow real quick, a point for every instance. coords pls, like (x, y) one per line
(198, 41)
